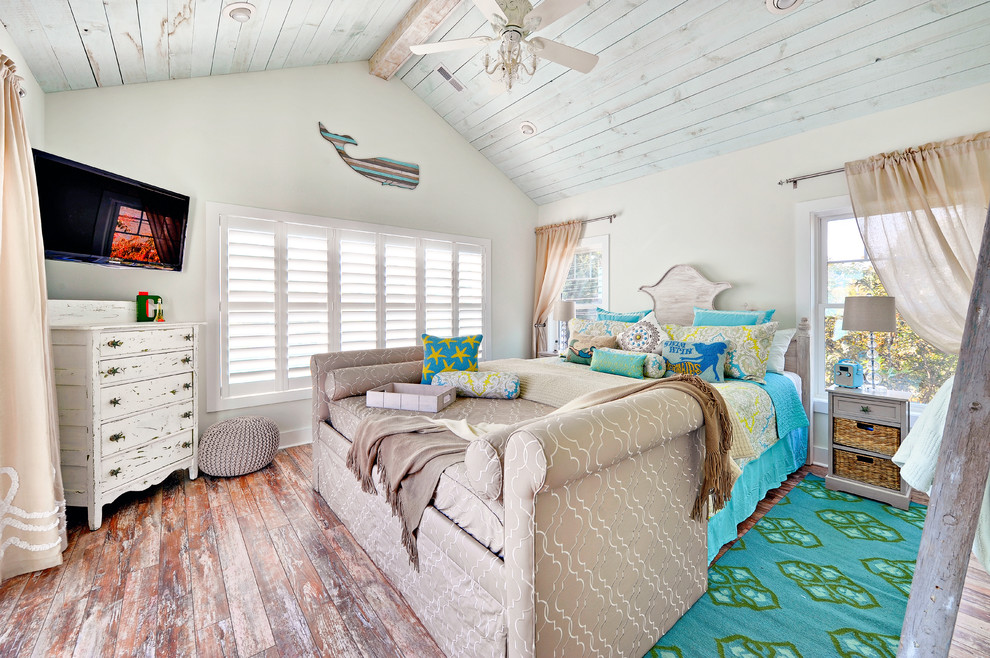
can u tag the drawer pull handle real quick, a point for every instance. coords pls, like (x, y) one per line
(865, 427)
(186, 444)
(864, 459)
(119, 436)
(865, 409)
(187, 359)
(187, 386)
(113, 371)
(114, 402)
(114, 343)
(187, 414)
(188, 336)
(114, 472)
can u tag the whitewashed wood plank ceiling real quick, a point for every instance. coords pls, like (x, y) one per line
(678, 80)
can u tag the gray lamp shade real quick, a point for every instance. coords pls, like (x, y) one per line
(869, 314)
(563, 311)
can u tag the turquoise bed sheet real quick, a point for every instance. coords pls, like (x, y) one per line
(758, 477)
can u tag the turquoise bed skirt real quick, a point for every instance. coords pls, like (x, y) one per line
(758, 477)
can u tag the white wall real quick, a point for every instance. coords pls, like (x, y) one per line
(728, 217)
(252, 139)
(34, 102)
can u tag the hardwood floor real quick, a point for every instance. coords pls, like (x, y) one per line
(252, 566)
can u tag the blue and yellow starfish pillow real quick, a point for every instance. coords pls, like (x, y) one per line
(447, 354)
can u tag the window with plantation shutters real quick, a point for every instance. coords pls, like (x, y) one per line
(291, 286)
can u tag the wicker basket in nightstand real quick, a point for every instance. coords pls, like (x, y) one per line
(865, 430)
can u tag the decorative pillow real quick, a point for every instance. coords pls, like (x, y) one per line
(704, 317)
(493, 385)
(633, 316)
(706, 360)
(655, 366)
(358, 380)
(642, 337)
(617, 362)
(781, 341)
(749, 347)
(597, 327)
(581, 347)
(445, 354)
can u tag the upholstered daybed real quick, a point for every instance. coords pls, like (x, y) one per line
(588, 548)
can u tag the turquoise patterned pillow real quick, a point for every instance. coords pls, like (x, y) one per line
(492, 385)
(706, 360)
(445, 354)
(654, 367)
(632, 316)
(704, 317)
(617, 362)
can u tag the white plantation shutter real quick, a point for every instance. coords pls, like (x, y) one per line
(358, 290)
(401, 296)
(292, 286)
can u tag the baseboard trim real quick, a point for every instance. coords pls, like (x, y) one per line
(297, 437)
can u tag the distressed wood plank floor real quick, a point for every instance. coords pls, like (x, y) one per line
(250, 566)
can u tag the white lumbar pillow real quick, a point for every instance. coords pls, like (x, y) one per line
(781, 340)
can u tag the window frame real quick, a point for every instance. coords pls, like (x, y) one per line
(217, 215)
(588, 242)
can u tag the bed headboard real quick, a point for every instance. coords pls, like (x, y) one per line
(683, 288)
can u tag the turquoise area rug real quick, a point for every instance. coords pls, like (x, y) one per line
(824, 573)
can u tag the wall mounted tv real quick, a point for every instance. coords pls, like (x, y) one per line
(93, 216)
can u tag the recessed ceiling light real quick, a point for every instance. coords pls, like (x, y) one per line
(782, 6)
(527, 128)
(240, 11)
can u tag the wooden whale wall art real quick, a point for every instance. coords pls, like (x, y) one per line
(382, 170)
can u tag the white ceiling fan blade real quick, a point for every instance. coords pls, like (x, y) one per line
(491, 10)
(573, 58)
(550, 11)
(445, 46)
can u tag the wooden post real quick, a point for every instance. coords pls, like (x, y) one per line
(960, 480)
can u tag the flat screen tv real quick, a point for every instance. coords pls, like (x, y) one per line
(92, 216)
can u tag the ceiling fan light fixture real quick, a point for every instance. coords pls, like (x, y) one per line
(239, 11)
(528, 128)
(782, 6)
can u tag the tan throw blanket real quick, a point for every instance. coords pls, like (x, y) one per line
(411, 452)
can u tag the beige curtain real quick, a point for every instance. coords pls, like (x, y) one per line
(555, 247)
(32, 505)
(921, 212)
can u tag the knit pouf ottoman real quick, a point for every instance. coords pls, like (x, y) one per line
(238, 446)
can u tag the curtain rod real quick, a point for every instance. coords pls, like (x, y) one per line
(794, 181)
(600, 219)
(578, 221)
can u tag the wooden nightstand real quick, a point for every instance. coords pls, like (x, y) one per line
(865, 431)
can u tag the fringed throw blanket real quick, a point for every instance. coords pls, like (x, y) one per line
(411, 452)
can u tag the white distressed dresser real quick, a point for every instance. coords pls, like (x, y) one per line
(127, 404)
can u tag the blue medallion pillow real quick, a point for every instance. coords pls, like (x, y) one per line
(617, 362)
(706, 360)
(447, 354)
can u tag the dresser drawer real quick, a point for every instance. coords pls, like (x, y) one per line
(124, 342)
(133, 464)
(875, 437)
(127, 399)
(133, 431)
(865, 409)
(125, 369)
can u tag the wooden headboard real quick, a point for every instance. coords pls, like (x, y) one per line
(682, 288)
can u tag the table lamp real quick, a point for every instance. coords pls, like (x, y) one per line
(870, 314)
(562, 312)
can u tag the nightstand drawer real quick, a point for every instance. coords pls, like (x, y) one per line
(877, 471)
(866, 409)
(866, 436)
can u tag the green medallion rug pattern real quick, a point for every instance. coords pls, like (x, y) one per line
(824, 574)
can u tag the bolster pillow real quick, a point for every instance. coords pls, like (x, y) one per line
(357, 380)
(485, 384)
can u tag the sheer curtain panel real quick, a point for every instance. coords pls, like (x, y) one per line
(32, 506)
(555, 247)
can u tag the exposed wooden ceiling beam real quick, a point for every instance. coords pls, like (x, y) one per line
(418, 23)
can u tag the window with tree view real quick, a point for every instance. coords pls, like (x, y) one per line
(906, 362)
(587, 279)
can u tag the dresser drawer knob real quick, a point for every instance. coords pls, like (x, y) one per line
(113, 371)
(187, 386)
(187, 414)
(114, 402)
(865, 409)
(114, 472)
(188, 336)
(187, 359)
(186, 444)
(119, 436)
(114, 343)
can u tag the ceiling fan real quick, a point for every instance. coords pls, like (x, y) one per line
(514, 21)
